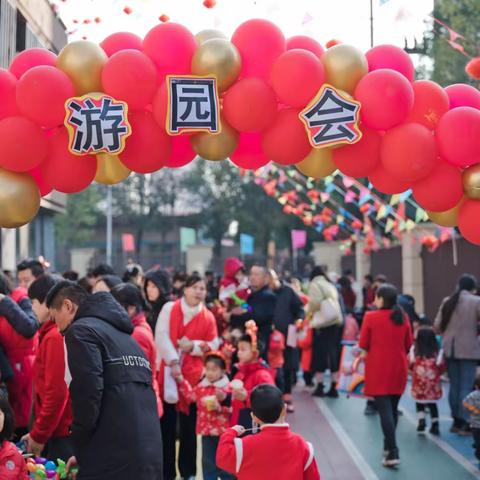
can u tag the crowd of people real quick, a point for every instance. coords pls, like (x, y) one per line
(119, 375)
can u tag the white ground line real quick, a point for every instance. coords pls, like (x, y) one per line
(360, 462)
(449, 450)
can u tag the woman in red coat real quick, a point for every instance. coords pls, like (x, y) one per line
(386, 336)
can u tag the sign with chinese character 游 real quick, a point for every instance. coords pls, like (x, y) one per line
(331, 118)
(96, 123)
(193, 105)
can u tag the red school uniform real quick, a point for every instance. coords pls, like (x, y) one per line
(251, 374)
(12, 464)
(209, 422)
(305, 343)
(276, 348)
(53, 409)
(426, 379)
(143, 335)
(275, 452)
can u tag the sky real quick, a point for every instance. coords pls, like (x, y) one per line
(345, 20)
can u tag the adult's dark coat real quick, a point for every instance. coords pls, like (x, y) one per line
(115, 430)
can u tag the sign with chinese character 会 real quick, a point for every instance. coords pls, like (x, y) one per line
(331, 118)
(96, 123)
(193, 105)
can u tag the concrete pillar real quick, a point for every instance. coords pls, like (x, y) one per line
(199, 258)
(24, 233)
(362, 262)
(329, 254)
(9, 250)
(413, 270)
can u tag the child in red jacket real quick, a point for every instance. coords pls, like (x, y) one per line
(275, 452)
(276, 357)
(212, 396)
(252, 371)
(12, 464)
(305, 343)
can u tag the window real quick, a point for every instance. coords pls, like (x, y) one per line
(21, 32)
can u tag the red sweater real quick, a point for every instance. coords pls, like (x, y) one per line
(142, 333)
(53, 410)
(275, 452)
(12, 464)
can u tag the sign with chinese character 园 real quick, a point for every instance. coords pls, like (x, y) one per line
(193, 105)
(331, 118)
(96, 123)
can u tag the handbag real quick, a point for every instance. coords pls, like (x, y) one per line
(170, 388)
(328, 315)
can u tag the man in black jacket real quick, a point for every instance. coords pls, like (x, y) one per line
(115, 428)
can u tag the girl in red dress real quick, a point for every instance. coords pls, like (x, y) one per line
(427, 369)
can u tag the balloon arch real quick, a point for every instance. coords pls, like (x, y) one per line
(98, 112)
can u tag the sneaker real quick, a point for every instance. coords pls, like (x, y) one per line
(319, 391)
(392, 459)
(332, 393)
(435, 429)
(456, 425)
(370, 409)
(464, 431)
(421, 426)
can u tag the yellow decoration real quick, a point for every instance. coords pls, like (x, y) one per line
(471, 182)
(448, 218)
(218, 57)
(215, 147)
(206, 35)
(83, 61)
(19, 198)
(345, 66)
(317, 164)
(110, 170)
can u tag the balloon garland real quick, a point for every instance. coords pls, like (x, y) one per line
(287, 101)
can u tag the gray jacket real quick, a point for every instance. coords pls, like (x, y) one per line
(460, 340)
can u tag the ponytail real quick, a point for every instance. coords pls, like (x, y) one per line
(398, 315)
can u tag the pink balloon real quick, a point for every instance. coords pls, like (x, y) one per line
(260, 43)
(182, 152)
(33, 57)
(8, 102)
(458, 136)
(171, 47)
(121, 41)
(463, 95)
(249, 153)
(386, 97)
(43, 186)
(389, 56)
(305, 43)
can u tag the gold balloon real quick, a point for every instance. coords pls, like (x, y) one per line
(344, 65)
(110, 170)
(218, 57)
(215, 147)
(471, 182)
(317, 164)
(83, 61)
(19, 199)
(449, 218)
(205, 35)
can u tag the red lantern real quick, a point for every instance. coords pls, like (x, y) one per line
(121, 41)
(473, 68)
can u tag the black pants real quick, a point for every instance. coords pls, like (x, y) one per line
(387, 406)
(288, 370)
(476, 441)
(432, 407)
(59, 447)
(187, 455)
(209, 462)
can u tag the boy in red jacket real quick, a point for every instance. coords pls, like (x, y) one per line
(50, 434)
(275, 452)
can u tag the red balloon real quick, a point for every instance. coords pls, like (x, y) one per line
(43, 187)
(64, 171)
(389, 56)
(386, 97)
(182, 152)
(260, 43)
(305, 43)
(171, 47)
(249, 154)
(33, 57)
(149, 147)
(458, 136)
(361, 158)
(131, 76)
(468, 224)
(429, 105)
(409, 152)
(8, 101)
(296, 77)
(385, 182)
(463, 95)
(121, 41)
(23, 145)
(286, 141)
(441, 190)
(250, 105)
(41, 95)
(160, 104)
